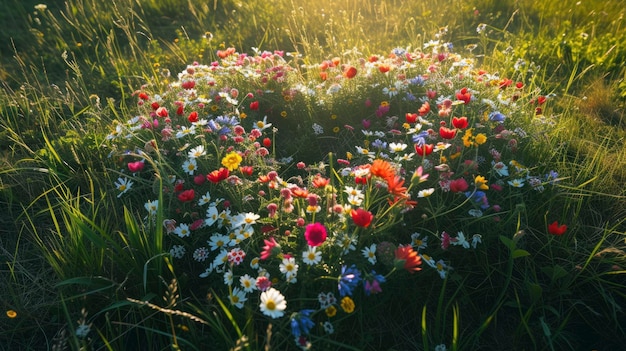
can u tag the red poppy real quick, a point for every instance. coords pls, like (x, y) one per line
(187, 195)
(361, 217)
(349, 72)
(459, 122)
(180, 110)
(154, 105)
(555, 229)
(424, 150)
(464, 95)
(411, 117)
(199, 179)
(408, 259)
(246, 170)
(384, 68)
(193, 117)
(315, 234)
(143, 96)
(254, 105)
(267, 142)
(162, 112)
(218, 175)
(447, 133)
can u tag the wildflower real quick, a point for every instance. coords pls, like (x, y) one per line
(382, 169)
(315, 234)
(11, 314)
(458, 185)
(425, 192)
(476, 239)
(328, 327)
(123, 185)
(424, 149)
(348, 280)
(347, 305)
(370, 253)
(231, 161)
(218, 175)
(196, 152)
(263, 283)
(311, 256)
(442, 269)
(418, 242)
(349, 72)
(237, 298)
(480, 183)
(372, 283)
(136, 166)
(236, 256)
(273, 303)
(445, 240)
(151, 207)
(500, 168)
(555, 229)
(326, 299)
(218, 241)
(271, 247)
(460, 240)
(361, 217)
(186, 196)
(459, 122)
(407, 258)
(289, 268)
(330, 311)
(177, 251)
(201, 254)
(182, 230)
(301, 323)
(447, 133)
(516, 183)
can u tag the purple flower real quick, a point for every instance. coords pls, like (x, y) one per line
(301, 323)
(372, 283)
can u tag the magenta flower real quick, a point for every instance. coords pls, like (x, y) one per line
(315, 234)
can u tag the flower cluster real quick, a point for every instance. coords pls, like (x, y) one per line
(434, 136)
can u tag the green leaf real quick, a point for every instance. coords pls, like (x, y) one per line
(520, 253)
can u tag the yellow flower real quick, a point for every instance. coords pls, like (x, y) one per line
(467, 138)
(455, 155)
(336, 130)
(347, 304)
(243, 115)
(480, 138)
(481, 183)
(283, 114)
(214, 108)
(11, 314)
(333, 116)
(331, 311)
(348, 155)
(231, 161)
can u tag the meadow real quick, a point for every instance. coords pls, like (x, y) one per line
(354, 175)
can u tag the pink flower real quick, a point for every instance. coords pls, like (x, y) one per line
(458, 185)
(187, 195)
(315, 234)
(270, 247)
(445, 240)
(135, 166)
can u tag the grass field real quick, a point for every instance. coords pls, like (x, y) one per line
(355, 175)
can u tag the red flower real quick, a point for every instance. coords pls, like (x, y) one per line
(458, 185)
(459, 122)
(187, 195)
(395, 186)
(199, 179)
(464, 96)
(135, 166)
(384, 68)
(162, 112)
(267, 142)
(349, 72)
(424, 150)
(188, 84)
(246, 170)
(447, 133)
(143, 96)
(408, 259)
(218, 175)
(315, 234)
(411, 117)
(254, 105)
(180, 110)
(556, 229)
(382, 168)
(193, 117)
(361, 217)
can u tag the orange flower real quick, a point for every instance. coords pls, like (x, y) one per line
(395, 186)
(383, 169)
(299, 192)
(320, 182)
(408, 259)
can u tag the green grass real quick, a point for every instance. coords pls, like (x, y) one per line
(71, 256)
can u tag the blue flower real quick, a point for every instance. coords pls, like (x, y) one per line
(301, 323)
(420, 138)
(349, 279)
(497, 116)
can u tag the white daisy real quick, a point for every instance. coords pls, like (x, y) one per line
(273, 303)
